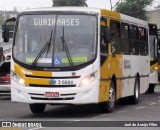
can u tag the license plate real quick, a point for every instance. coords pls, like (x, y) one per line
(51, 94)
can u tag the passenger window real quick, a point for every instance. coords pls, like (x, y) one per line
(125, 39)
(143, 41)
(134, 40)
(116, 43)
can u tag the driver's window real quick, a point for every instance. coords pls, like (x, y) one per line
(103, 44)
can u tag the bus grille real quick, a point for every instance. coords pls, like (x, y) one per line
(44, 77)
(68, 96)
(55, 99)
(54, 86)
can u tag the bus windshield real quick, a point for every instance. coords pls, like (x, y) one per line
(66, 39)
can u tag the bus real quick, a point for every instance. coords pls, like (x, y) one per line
(153, 40)
(77, 55)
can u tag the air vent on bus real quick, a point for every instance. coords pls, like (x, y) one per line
(56, 99)
(54, 86)
(43, 77)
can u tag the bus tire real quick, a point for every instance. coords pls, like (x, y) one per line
(109, 106)
(135, 97)
(37, 108)
(151, 88)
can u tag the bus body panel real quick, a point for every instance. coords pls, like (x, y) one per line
(112, 67)
(81, 95)
(36, 95)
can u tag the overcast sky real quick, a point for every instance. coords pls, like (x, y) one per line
(23, 4)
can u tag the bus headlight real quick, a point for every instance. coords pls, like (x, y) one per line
(154, 69)
(88, 79)
(17, 78)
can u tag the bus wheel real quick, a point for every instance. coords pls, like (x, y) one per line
(135, 97)
(108, 107)
(151, 88)
(37, 108)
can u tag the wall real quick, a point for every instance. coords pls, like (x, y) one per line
(154, 17)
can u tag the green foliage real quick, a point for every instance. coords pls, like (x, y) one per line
(1, 20)
(134, 8)
(69, 3)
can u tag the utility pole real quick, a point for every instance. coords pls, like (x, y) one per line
(111, 4)
(112, 7)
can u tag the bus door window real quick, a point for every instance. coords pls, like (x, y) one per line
(116, 43)
(103, 44)
(134, 40)
(143, 41)
(125, 39)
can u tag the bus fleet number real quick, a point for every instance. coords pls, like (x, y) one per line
(68, 82)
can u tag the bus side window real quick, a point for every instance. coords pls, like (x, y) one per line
(134, 40)
(116, 43)
(125, 39)
(143, 41)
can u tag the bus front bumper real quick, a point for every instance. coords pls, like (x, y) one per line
(76, 95)
(153, 78)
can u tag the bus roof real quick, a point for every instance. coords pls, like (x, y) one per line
(83, 9)
(113, 14)
(133, 20)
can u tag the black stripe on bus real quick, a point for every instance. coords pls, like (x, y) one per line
(50, 86)
(70, 77)
(123, 78)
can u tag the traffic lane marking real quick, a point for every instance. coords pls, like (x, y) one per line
(122, 111)
(139, 108)
(153, 103)
(71, 121)
(99, 116)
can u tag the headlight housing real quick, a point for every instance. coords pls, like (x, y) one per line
(154, 69)
(18, 78)
(88, 79)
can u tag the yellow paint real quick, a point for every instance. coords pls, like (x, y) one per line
(110, 14)
(10, 128)
(22, 72)
(154, 67)
(112, 65)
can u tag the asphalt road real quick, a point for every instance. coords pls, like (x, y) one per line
(148, 109)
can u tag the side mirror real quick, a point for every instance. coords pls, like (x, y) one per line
(5, 33)
(6, 29)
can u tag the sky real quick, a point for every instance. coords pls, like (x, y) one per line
(23, 4)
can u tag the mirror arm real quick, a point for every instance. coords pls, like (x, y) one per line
(12, 19)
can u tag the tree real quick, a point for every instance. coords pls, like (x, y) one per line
(1, 20)
(69, 3)
(15, 9)
(134, 8)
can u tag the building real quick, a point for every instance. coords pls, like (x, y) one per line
(153, 17)
(8, 14)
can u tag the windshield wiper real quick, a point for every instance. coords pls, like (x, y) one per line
(66, 49)
(46, 46)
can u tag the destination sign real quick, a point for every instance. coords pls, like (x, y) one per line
(52, 22)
